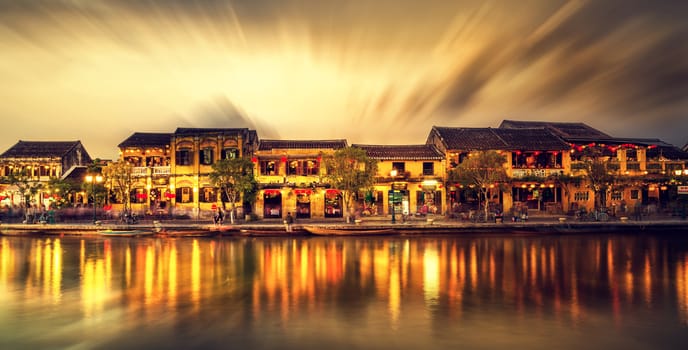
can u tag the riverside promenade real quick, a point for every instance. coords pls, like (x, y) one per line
(541, 224)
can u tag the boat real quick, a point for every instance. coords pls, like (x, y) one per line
(125, 233)
(264, 232)
(187, 233)
(324, 231)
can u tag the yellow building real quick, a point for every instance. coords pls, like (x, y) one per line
(534, 157)
(39, 162)
(290, 179)
(410, 179)
(171, 170)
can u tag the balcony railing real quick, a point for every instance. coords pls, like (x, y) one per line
(139, 171)
(161, 170)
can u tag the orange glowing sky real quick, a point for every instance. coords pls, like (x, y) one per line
(382, 71)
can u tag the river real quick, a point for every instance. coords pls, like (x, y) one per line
(473, 292)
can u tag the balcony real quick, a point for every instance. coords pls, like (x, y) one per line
(139, 171)
(161, 171)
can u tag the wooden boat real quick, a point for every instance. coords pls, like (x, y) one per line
(264, 232)
(187, 233)
(324, 231)
(125, 233)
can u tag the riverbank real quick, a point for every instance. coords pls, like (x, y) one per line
(537, 225)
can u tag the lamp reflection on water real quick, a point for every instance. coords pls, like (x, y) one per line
(396, 282)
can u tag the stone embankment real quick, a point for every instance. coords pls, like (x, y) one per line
(550, 225)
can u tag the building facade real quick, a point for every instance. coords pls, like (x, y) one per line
(37, 163)
(170, 170)
(290, 179)
(534, 158)
(410, 181)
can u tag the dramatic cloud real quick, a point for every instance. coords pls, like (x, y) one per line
(369, 71)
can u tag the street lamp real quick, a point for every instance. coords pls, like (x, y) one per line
(93, 179)
(393, 200)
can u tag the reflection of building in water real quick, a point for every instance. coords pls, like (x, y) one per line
(405, 276)
(682, 287)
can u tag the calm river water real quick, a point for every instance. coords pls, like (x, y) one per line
(534, 292)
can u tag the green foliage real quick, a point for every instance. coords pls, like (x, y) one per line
(235, 178)
(481, 169)
(350, 170)
(119, 175)
(27, 187)
(61, 189)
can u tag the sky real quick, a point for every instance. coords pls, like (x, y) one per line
(376, 72)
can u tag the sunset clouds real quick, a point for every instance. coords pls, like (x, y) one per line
(368, 71)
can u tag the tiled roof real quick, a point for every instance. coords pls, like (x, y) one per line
(532, 139)
(266, 145)
(40, 149)
(399, 152)
(537, 139)
(146, 139)
(197, 131)
(470, 138)
(562, 129)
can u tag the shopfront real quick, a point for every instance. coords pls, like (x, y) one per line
(272, 204)
(333, 204)
(303, 203)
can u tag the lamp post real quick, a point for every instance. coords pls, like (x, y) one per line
(393, 200)
(93, 179)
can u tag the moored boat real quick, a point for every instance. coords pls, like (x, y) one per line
(125, 233)
(187, 233)
(324, 231)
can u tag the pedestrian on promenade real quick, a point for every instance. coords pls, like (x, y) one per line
(638, 212)
(219, 216)
(288, 221)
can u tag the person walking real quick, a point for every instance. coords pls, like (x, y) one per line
(288, 221)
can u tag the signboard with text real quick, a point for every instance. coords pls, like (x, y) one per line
(682, 189)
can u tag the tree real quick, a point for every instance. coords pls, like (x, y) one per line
(234, 177)
(482, 169)
(350, 171)
(26, 187)
(567, 183)
(119, 175)
(61, 190)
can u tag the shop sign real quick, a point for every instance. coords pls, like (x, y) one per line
(399, 186)
(682, 189)
(518, 173)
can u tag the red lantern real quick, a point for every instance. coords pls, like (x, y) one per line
(254, 160)
(283, 159)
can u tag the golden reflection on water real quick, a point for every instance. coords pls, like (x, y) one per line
(392, 279)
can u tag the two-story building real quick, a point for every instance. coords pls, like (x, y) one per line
(534, 157)
(150, 156)
(170, 170)
(290, 179)
(410, 180)
(38, 162)
(638, 168)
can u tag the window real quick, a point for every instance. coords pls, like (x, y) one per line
(230, 153)
(581, 196)
(268, 167)
(206, 156)
(183, 195)
(428, 168)
(184, 156)
(635, 194)
(616, 195)
(208, 195)
(303, 167)
(399, 166)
